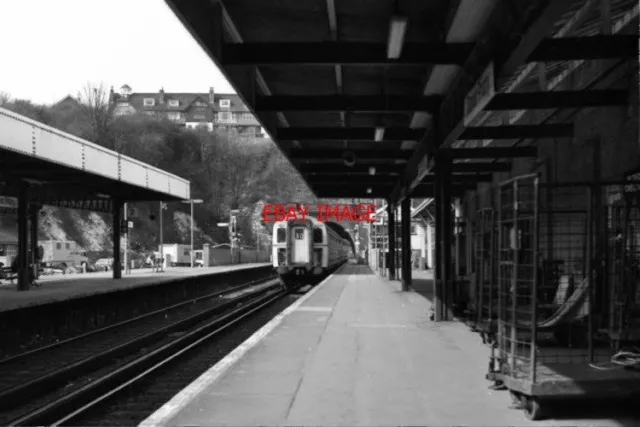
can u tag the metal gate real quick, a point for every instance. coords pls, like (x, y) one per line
(623, 267)
(486, 284)
(516, 272)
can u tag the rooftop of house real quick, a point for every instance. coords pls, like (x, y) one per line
(185, 101)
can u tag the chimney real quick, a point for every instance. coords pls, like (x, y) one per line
(161, 96)
(212, 96)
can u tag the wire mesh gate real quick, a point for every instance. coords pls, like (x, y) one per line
(622, 266)
(516, 274)
(485, 278)
(548, 343)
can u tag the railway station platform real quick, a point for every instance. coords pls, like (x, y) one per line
(353, 351)
(65, 287)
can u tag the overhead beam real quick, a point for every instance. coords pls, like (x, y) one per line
(461, 179)
(528, 42)
(534, 47)
(558, 99)
(586, 48)
(370, 181)
(333, 31)
(333, 162)
(518, 131)
(342, 169)
(511, 37)
(354, 134)
(480, 167)
(359, 154)
(348, 175)
(343, 53)
(348, 103)
(493, 152)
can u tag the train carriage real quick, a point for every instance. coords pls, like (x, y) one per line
(305, 250)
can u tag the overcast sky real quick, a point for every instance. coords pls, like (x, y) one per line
(52, 48)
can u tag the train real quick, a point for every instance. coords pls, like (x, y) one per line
(306, 250)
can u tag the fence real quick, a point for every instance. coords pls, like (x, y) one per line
(223, 256)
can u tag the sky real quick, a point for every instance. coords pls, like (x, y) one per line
(53, 48)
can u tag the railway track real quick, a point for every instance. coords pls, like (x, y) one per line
(47, 385)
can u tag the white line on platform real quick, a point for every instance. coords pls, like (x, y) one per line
(311, 308)
(170, 409)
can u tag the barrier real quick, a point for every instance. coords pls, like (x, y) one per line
(222, 256)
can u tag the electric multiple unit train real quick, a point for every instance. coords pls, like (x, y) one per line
(307, 249)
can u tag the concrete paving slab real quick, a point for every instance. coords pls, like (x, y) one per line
(375, 359)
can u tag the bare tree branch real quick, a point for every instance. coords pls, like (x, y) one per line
(94, 104)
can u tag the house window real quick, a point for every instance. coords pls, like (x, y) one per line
(174, 116)
(67, 245)
(414, 230)
(174, 103)
(149, 102)
(224, 116)
(58, 245)
(198, 116)
(225, 103)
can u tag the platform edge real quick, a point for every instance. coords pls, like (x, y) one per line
(170, 410)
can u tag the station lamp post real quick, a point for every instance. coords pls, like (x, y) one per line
(233, 234)
(192, 202)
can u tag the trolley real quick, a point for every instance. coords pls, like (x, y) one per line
(548, 343)
(485, 277)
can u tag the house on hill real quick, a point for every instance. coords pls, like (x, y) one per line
(211, 111)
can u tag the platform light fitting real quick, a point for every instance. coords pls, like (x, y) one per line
(379, 136)
(103, 196)
(372, 170)
(369, 190)
(397, 30)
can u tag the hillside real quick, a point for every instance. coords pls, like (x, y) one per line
(225, 171)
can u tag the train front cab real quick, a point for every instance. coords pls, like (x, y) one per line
(295, 251)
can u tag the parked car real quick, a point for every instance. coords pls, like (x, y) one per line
(104, 264)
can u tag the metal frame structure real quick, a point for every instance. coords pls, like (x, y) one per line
(40, 165)
(485, 275)
(548, 342)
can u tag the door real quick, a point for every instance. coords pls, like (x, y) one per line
(300, 247)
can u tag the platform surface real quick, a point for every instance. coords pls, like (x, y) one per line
(68, 286)
(356, 351)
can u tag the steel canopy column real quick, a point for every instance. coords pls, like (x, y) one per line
(406, 243)
(447, 236)
(117, 215)
(23, 237)
(392, 242)
(438, 296)
(33, 238)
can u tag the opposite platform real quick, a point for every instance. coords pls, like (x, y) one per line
(354, 351)
(64, 287)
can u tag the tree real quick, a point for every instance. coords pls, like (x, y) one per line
(95, 108)
(5, 98)
(224, 170)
